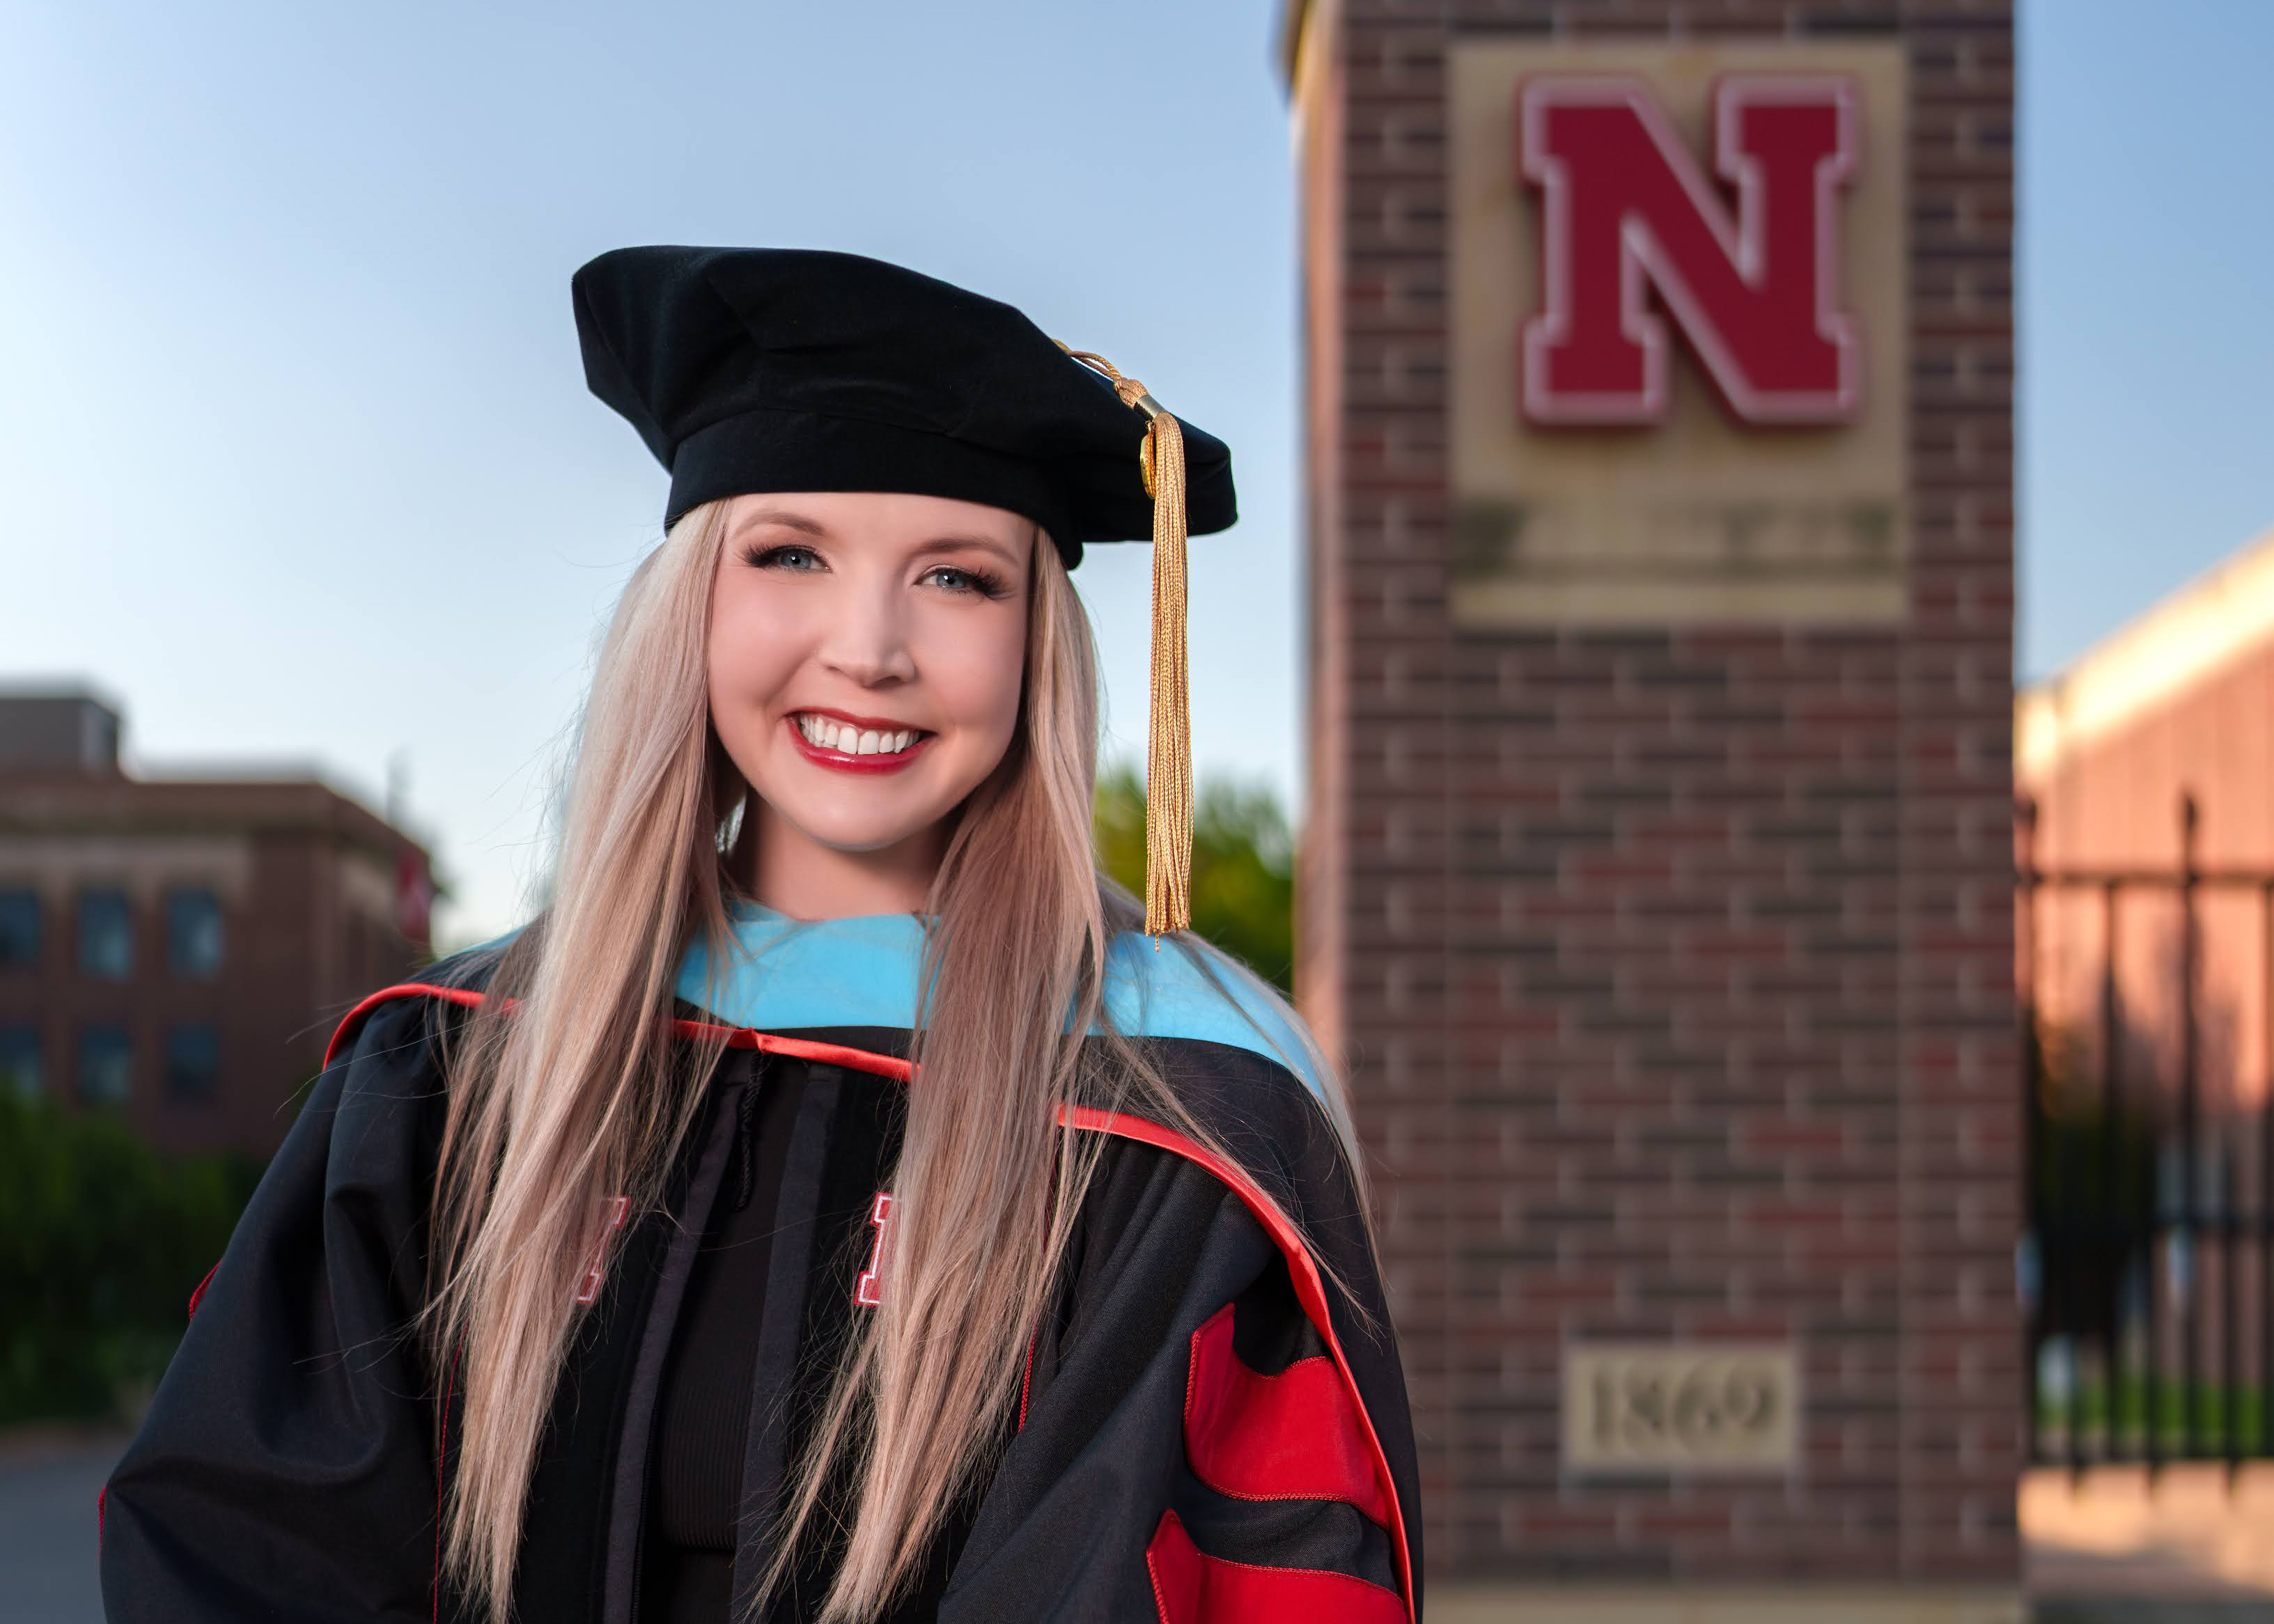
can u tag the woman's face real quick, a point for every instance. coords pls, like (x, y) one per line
(866, 656)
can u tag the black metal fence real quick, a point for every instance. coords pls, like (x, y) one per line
(2146, 1270)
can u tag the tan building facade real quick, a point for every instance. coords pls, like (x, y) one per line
(1657, 879)
(2172, 707)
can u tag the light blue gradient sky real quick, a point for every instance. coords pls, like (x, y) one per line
(296, 459)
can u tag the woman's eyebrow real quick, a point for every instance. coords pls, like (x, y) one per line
(966, 543)
(782, 516)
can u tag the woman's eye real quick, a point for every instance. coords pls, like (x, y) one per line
(972, 581)
(773, 557)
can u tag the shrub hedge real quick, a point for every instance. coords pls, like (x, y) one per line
(102, 1241)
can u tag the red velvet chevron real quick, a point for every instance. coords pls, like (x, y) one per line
(1293, 1436)
(1189, 1588)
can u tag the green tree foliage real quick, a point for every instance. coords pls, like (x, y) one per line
(101, 1242)
(1243, 866)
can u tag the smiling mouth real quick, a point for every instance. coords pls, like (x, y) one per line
(827, 732)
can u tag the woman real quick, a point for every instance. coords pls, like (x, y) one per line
(840, 1202)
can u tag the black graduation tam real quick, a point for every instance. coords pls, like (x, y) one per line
(803, 369)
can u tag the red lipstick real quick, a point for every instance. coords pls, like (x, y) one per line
(844, 762)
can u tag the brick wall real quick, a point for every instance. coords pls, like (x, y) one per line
(1674, 965)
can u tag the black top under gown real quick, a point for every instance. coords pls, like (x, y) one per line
(770, 1300)
(695, 1483)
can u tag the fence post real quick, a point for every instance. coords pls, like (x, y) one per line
(2029, 1261)
(2266, 1172)
(2190, 1212)
(2110, 1233)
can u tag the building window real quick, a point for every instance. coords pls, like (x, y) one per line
(194, 933)
(106, 1065)
(19, 1062)
(20, 928)
(193, 1062)
(106, 935)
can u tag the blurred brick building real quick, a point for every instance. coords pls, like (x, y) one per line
(2172, 710)
(1657, 868)
(177, 951)
(2147, 953)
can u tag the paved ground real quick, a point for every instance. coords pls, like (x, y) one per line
(2141, 1610)
(48, 1482)
(2188, 1551)
(2189, 1545)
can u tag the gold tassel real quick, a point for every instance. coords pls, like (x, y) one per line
(1169, 748)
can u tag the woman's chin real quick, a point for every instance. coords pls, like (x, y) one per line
(853, 831)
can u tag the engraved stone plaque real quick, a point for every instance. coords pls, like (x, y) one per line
(1680, 1407)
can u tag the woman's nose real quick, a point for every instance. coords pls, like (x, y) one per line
(870, 643)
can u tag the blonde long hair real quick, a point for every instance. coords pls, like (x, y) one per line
(585, 1091)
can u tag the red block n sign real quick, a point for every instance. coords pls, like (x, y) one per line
(1626, 209)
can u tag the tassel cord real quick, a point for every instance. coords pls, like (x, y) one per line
(1169, 746)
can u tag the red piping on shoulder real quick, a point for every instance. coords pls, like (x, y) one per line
(1310, 1290)
(198, 1296)
(737, 1037)
(385, 995)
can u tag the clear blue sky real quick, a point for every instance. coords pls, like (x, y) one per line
(298, 461)
(2146, 279)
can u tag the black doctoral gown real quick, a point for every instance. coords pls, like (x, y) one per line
(1205, 1432)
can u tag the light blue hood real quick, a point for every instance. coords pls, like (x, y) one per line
(784, 974)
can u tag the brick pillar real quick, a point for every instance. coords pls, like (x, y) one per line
(1673, 961)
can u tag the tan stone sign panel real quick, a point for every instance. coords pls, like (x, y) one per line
(1696, 1407)
(1679, 383)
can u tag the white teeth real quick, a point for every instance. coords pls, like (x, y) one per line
(852, 740)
